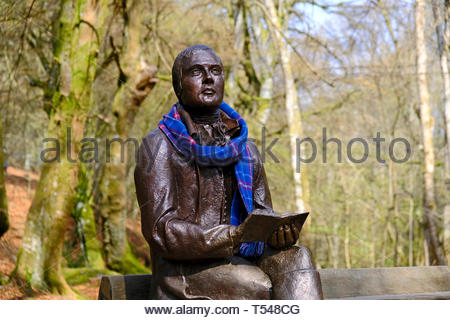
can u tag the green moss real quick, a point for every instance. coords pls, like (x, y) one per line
(113, 210)
(85, 222)
(131, 265)
(76, 276)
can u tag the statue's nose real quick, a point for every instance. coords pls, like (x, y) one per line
(208, 78)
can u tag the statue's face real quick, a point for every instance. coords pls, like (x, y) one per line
(202, 81)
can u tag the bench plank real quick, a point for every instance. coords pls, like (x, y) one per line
(129, 287)
(403, 283)
(413, 296)
(341, 283)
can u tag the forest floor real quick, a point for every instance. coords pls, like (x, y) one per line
(20, 188)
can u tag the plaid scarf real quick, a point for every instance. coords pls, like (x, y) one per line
(235, 152)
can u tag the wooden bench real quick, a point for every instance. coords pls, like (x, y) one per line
(403, 283)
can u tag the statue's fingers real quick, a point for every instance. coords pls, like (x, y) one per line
(281, 239)
(288, 235)
(296, 232)
(273, 240)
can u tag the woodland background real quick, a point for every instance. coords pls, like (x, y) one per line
(102, 69)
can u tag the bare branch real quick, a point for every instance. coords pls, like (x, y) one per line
(319, 42)
(331, 108)
(289, 42)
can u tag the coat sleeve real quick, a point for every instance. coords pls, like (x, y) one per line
(162, 226)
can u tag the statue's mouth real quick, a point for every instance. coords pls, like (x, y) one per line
(209, 91)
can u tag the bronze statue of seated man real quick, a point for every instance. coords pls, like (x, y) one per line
(197, 178)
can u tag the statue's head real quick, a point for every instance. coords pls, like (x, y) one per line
(198, 78)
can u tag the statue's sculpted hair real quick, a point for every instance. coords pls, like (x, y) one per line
(177, 68)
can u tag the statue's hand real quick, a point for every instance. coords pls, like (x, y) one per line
(286, 236)
(238, 231)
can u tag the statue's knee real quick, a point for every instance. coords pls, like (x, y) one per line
(302, 257)
(294, 258)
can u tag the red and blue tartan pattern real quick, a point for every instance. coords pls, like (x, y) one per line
(235, 152)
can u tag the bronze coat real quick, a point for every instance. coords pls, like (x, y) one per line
(185, 214)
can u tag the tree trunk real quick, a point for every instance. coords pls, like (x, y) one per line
(411, 233)
(4, 220)
(292, 108)
(441, 19)
(139, 80)
(447, 136)
(336, 242)
(431, 233)
(393, 195)
(264, 59)
(237, 20)
(76, 48)
(84, 216)
(347, 254)
(252, 42)
(447, 230)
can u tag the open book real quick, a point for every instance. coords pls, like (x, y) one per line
(260, 224)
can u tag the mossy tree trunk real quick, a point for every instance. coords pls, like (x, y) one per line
(136, 82)
(76, 47)
(236, 14)
(4, 220)
(86, 227)
(255, 54)
(264, 56)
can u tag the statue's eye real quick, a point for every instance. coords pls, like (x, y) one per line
(217, 70)
(196, 72)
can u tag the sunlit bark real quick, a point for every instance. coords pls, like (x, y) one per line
(291, 105)
(441, 20)
(430, 210)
